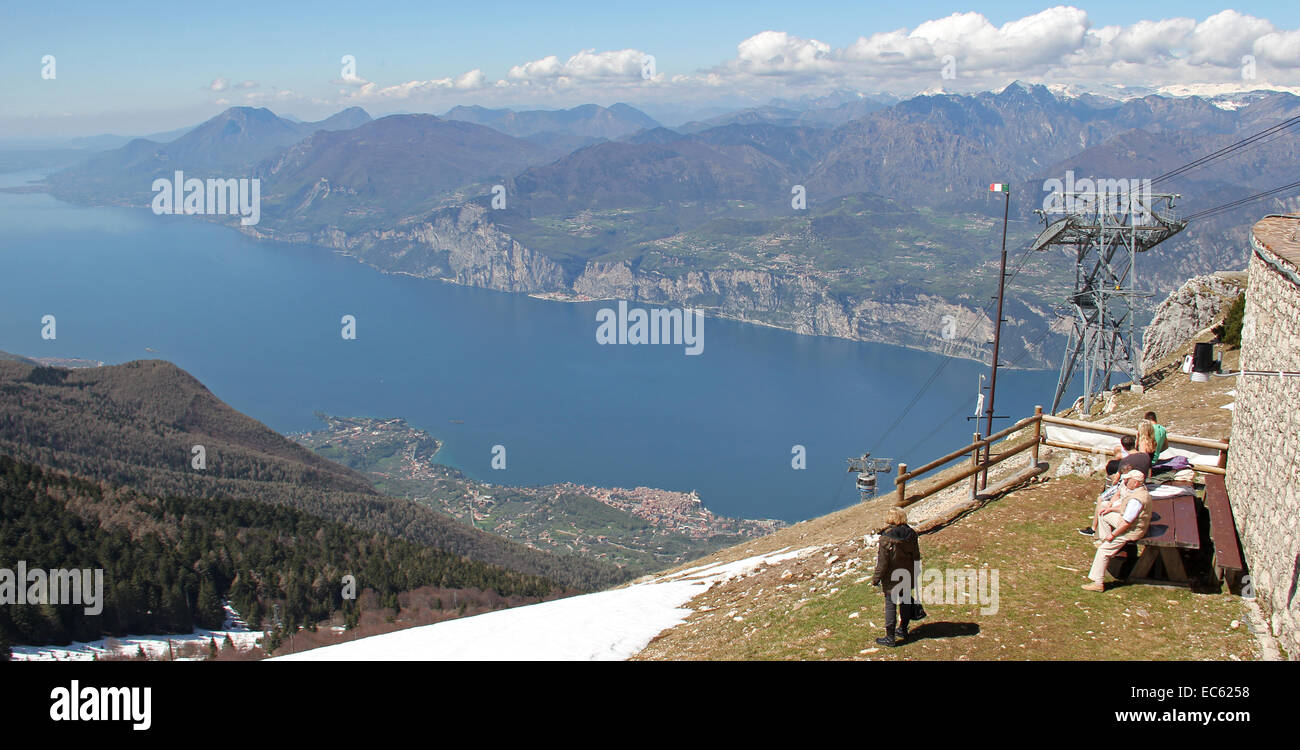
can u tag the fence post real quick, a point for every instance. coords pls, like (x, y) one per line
(901, 485)
(974, 462)
(1223, 454)
(1038, 435)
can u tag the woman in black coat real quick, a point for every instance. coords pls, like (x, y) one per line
(897, 563)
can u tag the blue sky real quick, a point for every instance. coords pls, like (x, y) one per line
(143, 67)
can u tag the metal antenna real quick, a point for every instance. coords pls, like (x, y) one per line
(1105, 230)
(997, 328)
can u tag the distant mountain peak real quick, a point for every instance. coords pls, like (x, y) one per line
(586, 121)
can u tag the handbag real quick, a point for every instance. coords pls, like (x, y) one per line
(914, 611)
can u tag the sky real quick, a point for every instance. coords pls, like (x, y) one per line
(135, 68)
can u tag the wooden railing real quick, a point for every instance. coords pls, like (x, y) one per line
(982, 457)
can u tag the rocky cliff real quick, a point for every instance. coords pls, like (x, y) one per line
(461, 245)
(1189, 309)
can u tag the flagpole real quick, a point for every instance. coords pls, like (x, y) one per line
(997, 335)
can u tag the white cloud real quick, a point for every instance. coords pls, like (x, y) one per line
(1055, 46)
(1281, 48)
(587, 65)
(1224, 37)
(547, 67)
(779, 52)
(467, 81)
(224, 84)
(1058, 46)
(1148, 40)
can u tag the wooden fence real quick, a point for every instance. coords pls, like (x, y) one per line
(981, 457)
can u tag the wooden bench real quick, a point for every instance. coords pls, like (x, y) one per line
(1173, 528)
(1228, 560)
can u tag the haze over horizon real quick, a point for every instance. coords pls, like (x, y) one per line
(126, 76)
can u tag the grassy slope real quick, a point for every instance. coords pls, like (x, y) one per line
(1028, 535)
(1029, 538)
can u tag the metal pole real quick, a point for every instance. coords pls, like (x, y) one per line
(997, 337)
(1132, 288)
(1038, 435)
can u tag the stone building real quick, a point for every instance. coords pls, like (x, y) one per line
(1264, 459)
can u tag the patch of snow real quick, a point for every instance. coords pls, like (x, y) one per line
(155, 646)
(1223, 90)
(1066, 91)
(607, 625)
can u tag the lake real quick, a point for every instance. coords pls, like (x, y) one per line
(259, 324)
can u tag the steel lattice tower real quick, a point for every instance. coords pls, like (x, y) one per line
(1104, 231)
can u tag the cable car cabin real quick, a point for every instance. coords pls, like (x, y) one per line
(867, 483)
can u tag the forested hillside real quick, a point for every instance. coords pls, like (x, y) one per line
(97, 470)
(169, 562)
(136, 425)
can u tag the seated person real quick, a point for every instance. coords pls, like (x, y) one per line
(1118, 523)
(1138, 459)
(1160, 433)
(1134, 461)
(1127, 445)
(1146, 431)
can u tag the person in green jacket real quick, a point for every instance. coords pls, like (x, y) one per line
(1160, 433)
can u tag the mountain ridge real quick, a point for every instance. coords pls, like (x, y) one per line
(136, 424)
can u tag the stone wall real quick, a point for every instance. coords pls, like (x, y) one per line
(1264, 457)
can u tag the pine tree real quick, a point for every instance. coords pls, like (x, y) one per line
(210, 614)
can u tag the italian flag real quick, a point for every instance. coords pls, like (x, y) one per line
(999, 187)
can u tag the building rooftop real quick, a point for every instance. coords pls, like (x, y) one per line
(1281, 235)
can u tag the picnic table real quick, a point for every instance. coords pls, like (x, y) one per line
(1173, 528)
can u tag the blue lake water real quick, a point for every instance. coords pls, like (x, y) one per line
(259, 324)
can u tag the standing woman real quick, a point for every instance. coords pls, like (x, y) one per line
(897, 562)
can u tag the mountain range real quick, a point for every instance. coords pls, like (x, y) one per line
(226, 145)
(896, 228)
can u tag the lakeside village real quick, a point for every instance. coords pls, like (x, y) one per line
(411, 455)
